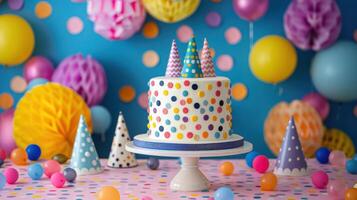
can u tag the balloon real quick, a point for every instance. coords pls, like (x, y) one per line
(101, 120)
(108, 192)
(6, 131)
(36, 82)
(268, 182)
(35, 171)
(336, 189)
(250, 10)
(17, 40)
(227, 168)
(333, 71)
(273, 59)
(58, 180)
(319, 179)
(38, 67)
(224, 193)
(336, 139)
(319, 102)
(19, 156)
(312, 24)
(337, 158)
(2, 154)
(322, 155)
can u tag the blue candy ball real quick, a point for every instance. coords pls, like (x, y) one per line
(1, 162)
(153, 163)
(2, 181)
(224, 193)
(33, 152)
(322, 155)
(35, 171)
(70, 174)
(250, 157)
(351, 166)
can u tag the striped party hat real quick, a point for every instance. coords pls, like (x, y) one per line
(207, 63)
(174, 65)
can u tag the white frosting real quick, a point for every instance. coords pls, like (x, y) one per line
(288, 172)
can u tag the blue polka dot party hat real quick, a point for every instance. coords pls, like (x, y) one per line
(291, 160)
(192, 63)
(84, 156)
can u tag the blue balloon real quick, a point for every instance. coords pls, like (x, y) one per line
(101, 119)
(250, 157)
(36, 82)
(334, 71)
(35, 171)
(33, 152)
(351, 166)
(322, 155)
(224, 193)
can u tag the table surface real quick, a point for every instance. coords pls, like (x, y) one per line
(134, 183)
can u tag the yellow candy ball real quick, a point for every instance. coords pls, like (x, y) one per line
(108, 193)
(227, 168)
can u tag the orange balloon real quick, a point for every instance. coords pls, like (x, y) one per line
(108, 193)
(19, 156)
(268, 182)
(351, 194)
(227, 168)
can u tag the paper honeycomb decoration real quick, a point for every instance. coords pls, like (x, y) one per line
(48, 116)
(335, 139)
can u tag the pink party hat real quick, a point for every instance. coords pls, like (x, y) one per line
(207, 63)
(174, 65)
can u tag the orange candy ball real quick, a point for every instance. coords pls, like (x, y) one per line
(108, 193)
(19, 156)
(268, 182)
(351, 194)
(227, 168)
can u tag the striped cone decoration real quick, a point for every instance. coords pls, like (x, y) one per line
(206, 61)
(174, 65)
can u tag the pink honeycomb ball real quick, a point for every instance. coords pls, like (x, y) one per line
(11, 175)
(58, 180)
(319, 179)
(51, 167)
(261, 163)
(85, 75)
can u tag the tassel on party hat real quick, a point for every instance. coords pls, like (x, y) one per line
(84, 156)
(192, 64)
(291, 160)
(119, 157)
(207, 64)
(174, 65)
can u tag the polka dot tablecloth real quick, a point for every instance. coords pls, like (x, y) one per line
(135, 183)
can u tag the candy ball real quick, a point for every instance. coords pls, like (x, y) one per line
(227, 168)
(261, 163)
(51, 167)
(223, 193)
(153, 163)
(70, 174)
(60, 158)
(337, 158)
(2, 181)
(351, 194)
(268, 182)
(35, 171)
(58, 180)
(108, 192)
(18, 156)
(322, 155)
(336, 189)
(33, 152)
(11, 175)
(351, 166)
(38, 67)
(250, 157)
(2, 154)
(319, 179)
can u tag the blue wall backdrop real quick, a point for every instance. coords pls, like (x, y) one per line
(122, 61)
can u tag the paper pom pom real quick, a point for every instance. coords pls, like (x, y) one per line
(86, 76)
(307, 121)
(48, 115)
(335, 139)
(116, 19)
(312, 24)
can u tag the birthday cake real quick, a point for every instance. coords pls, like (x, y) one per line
(189, 107)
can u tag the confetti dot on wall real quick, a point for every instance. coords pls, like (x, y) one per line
(6, 101)
(213, 19)
(225, 62)
(233, 35)
(184, 33)
(150, 30)
(74, 25)
(355, 111)
(355, 35)
(127, 93)
(15, 4)
(239, 91)
(143, 100)
(18, 84)
(150, 58)
(211, 50)
(216, 1)
(43, 9)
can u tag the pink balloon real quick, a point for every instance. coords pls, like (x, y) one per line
(337, 158)
(250, 10)
(336, 189)
(38, 67)
(6, 131)
(318, 102)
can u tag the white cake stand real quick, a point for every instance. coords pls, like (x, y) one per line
(190, 177)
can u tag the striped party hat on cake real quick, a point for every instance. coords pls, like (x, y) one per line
(206, 61)
(291, 160)
(192, 64)
(174, 65)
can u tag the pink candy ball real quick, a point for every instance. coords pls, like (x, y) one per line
(261, 163)
(318, 102)
(11, 175)
(319, 179)
(51, 167)
(337, 158)
(336, 189)
(58, 180)
(38, 67)
(2, 154)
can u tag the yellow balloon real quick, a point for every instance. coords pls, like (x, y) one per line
(273, 59)
(17, 40)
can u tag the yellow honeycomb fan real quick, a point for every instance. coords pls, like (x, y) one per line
(171, 11)
(48, 116)
(335, 139)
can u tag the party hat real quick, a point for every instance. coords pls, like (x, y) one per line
(207, 64)
(291, 160)
(192, 63)
(119, 157)
(174, 66)
(84, 156)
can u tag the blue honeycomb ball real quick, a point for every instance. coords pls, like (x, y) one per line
(153, 163)
(33, 152)
(35, 171)
(224, 193)
(322, 155)
(250, 157)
